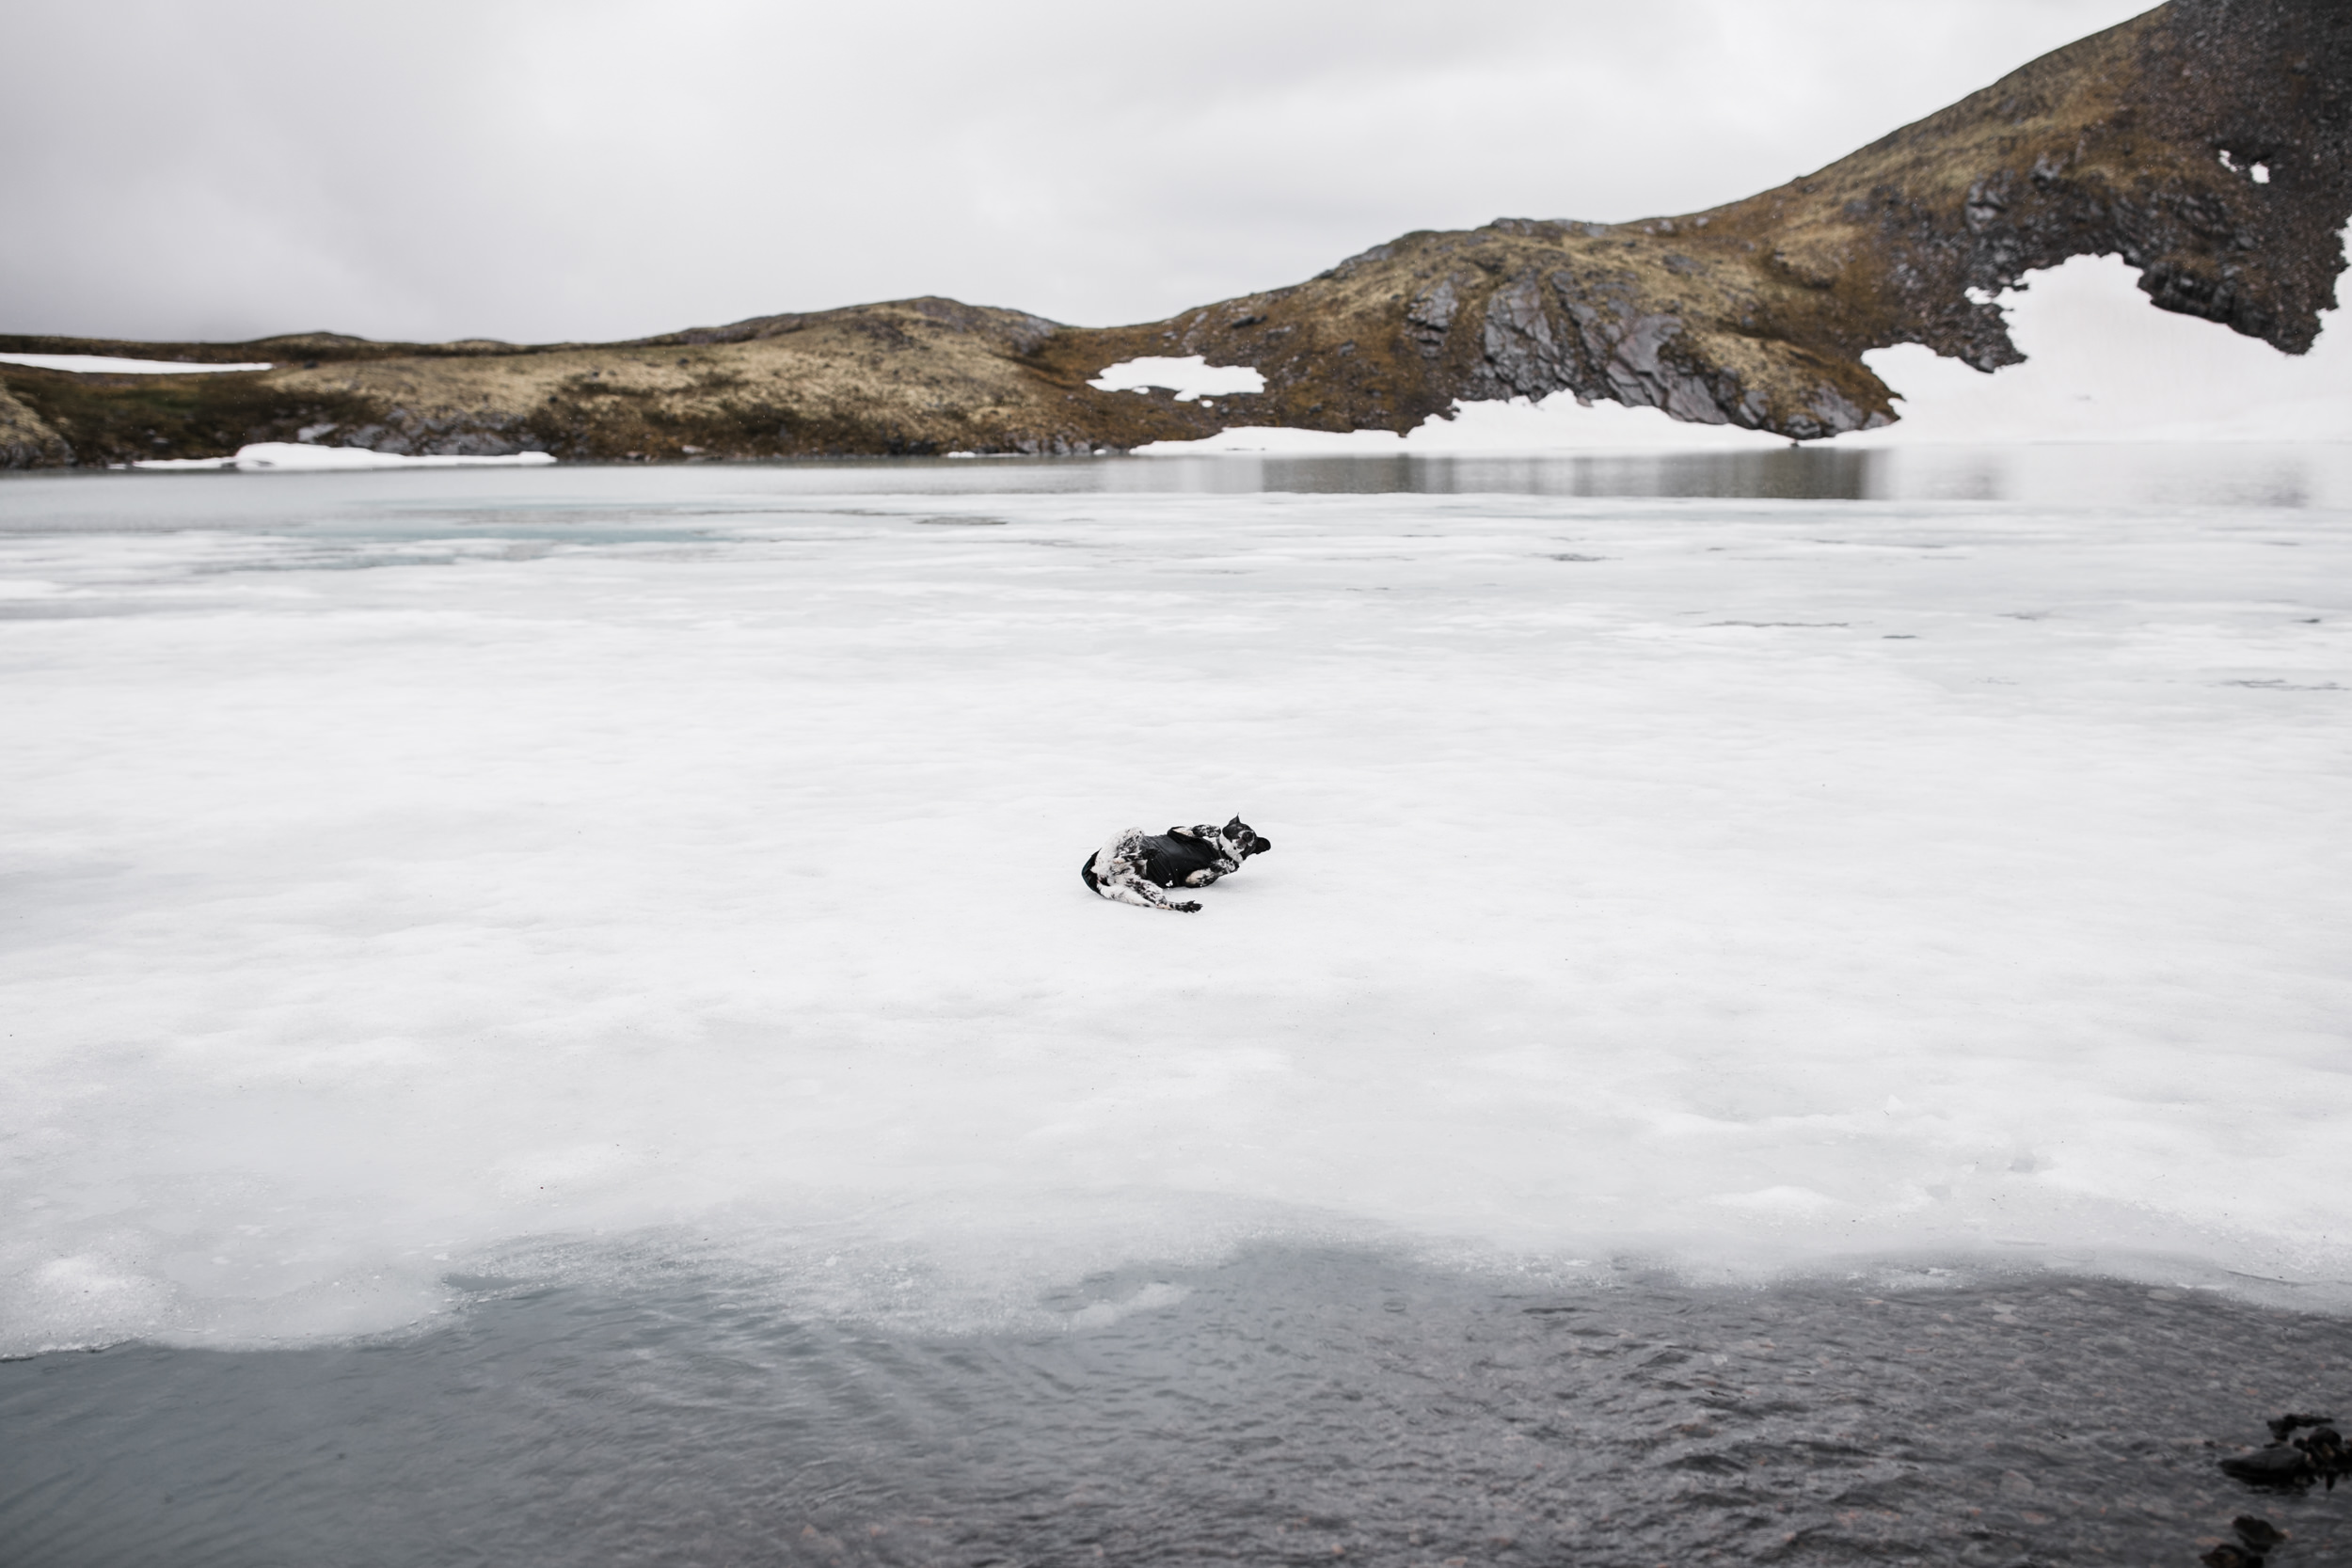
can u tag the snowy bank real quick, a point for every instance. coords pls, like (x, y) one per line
(298, 457)
(1557, 424)
(2102, 364)
(1189, 377)
(109, 365)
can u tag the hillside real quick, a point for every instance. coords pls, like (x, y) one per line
(2207, 142)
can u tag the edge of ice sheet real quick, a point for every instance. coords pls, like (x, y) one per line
(96, 364)
(2102, 364)
(1557, 423)
(965, 1265)
(298, 457)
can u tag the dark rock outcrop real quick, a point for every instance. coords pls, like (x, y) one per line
(26, 440)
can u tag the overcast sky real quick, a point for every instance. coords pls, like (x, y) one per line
(596, 168)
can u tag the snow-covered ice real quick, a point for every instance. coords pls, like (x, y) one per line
(398, 869)
(110, 365)
(1188, 377)
(305, 457)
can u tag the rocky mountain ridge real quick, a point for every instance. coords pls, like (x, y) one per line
(2207, 142)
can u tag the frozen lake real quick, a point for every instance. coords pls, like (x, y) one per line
(404, 869)
(610, 930)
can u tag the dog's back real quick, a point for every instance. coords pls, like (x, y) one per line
(1182, 857)
(1164, 859)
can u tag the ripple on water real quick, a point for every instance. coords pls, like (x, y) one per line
(1287, 1405)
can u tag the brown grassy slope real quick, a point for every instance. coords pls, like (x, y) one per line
(910, 376)
(1753, 313)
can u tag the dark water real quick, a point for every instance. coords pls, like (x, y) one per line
(1294, 1408)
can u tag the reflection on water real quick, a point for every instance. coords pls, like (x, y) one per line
(2052, 475)
(1793, 474)
(1287, 1406)
(576, 498)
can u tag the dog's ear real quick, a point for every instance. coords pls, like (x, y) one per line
(1237, 826)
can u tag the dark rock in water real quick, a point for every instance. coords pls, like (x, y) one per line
(2331, 1461)
(2259, 1535)
(2292, 1463)
(2277, 1466)
(2256, 1539)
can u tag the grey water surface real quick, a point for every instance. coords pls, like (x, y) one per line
(1290, 1405)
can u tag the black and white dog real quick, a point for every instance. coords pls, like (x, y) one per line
(1134, 866)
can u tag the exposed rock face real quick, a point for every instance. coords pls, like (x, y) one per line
(2208, 143)
(26, 441)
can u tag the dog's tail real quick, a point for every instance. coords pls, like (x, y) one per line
(1085, 874)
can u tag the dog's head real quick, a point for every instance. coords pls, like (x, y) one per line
(1243, 839)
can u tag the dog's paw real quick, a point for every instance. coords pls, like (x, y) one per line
(1188, 907)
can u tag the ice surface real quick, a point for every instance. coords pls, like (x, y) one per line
(2102, 365)
(109, 365)
(303, 457)
(1189, 376)
(1736, 882)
